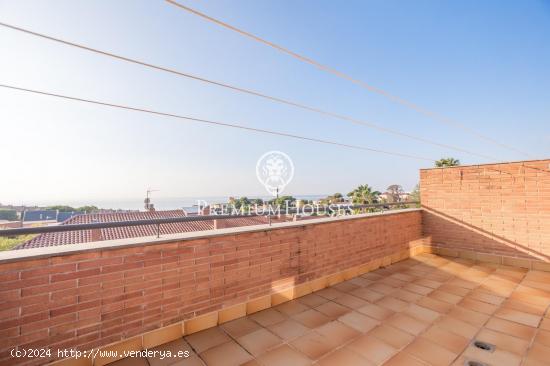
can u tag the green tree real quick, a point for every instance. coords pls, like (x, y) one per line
(241, 202)
(283, 201)
(445, 162)
(415, 194)
(87, 209)
(257, 201)
(395, 191)
(364, 194)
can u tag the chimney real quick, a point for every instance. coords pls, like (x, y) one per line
(220, 224)
(205, 210)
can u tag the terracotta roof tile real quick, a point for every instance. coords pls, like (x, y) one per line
(85, 236)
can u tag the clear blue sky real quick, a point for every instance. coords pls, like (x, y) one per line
(485, 64)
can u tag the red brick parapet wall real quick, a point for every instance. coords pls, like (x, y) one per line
(497, 209)
(97, 297)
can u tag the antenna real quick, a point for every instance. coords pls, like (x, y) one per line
(148, 205)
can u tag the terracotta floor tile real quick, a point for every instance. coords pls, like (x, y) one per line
(539, 353)
(479, 306)
(511, 328)
(312, 300)
(535, 309)
(288, 329)
(428, 283)
(358, 321)
(332, 309)
(392, 282)
(485, 297)
(456, 326)
(337, 333)
(174, 347)
(381, 288)
(329, 293)
(366, 294)
(240, 327)
(497, 290)
(497, 357)
(543, 337)
(267, 317)
(438, 277)
(392, 336)
(345, 286)
(538, 276)
(372, 276)
(131, 361)
(291, 307)
(529, 298)
(446, 339)
(406, 296)
(418, 289)
(350, 301)
(435, 305)
(455, 290)
(193, 360)
(376, 312)
(407, 323)
(445, 296)
(284, 355)
(253, 362)
(344, 357)
(430, 352)
(372, 348)
(201, 341)
(503, 341)
(393, 304)
(469, 316)
(313, 345)
(259, 341)
(227, 354)
(311, 318)
(422, 313)
(460, 282)
(403, 277)
(518, 317)
(404, 359)
(360, 281)
(542, 286)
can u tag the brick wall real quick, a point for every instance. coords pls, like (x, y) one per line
(99, 297)
(501, 209)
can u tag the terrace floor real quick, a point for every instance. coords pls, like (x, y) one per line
(427, 310)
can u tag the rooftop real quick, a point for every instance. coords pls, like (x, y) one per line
(427, 310)
(86, 236)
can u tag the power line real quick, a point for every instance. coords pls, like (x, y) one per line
(215, 123)
(250, 92)
(431, 114)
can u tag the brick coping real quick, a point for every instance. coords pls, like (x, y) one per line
(11, 256)
(522, 162)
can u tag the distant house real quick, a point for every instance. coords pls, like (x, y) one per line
(40, 215)
(63, 216)
(86, 236)
(388, 197)
(47, 215)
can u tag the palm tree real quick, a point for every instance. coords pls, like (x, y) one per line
(364, 195)
(445, 162)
